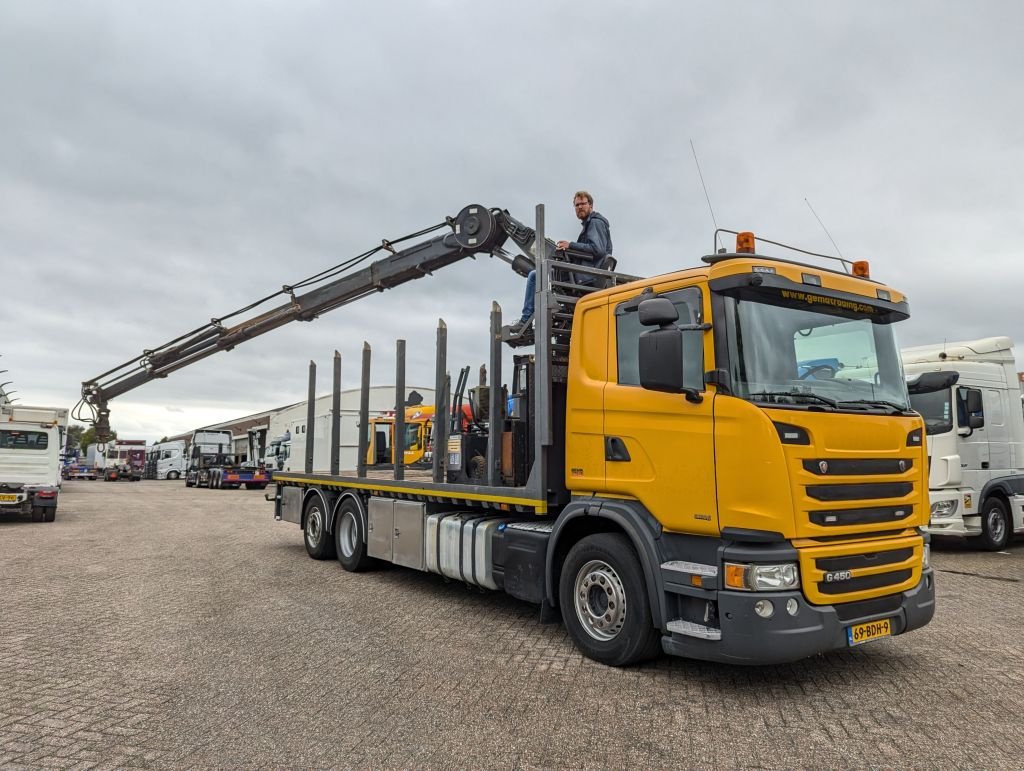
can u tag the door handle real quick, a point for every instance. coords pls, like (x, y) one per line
(984, 464)
(615, 449)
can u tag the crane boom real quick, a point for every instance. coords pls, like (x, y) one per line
(474, 230)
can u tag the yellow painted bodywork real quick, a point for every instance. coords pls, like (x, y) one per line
(700, 468)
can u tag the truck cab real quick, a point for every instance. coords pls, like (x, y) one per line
(166, 460)
(975, 435)
(31, 439)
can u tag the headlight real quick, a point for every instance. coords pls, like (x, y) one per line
(761, 578)
(926, 558)
(944, 508)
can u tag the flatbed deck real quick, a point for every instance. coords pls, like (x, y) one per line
(418, 485)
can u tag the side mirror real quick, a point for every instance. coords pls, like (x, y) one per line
(974, 402)
(657, 312)
(976, 421)
(663, 351)
(661, 359)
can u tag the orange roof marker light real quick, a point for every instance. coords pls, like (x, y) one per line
(862, 268)
(745, 242)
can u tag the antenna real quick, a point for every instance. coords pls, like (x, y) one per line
(825, 229)
(708, 197)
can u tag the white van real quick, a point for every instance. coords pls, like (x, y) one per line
(31, 440)
(969, 395)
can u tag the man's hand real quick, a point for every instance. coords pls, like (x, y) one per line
(562, 245)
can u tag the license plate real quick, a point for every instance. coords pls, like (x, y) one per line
(8, 498)
(872, 630)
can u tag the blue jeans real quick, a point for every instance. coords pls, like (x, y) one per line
(531, 289)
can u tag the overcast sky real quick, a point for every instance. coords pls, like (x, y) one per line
(162, 164)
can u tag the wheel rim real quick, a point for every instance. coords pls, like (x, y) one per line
(600, 600)
(996, 524)
(347, 534)
(314, 527)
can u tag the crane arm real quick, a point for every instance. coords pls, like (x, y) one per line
(474, 230)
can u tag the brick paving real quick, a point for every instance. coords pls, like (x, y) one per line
(155, 626)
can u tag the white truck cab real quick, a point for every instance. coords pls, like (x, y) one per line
(166, 460)
(969, 395)
(31, 440)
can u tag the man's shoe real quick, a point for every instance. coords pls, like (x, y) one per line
(520, 326)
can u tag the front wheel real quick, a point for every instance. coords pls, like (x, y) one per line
(173, 475)
(995, 525)
(603, 598)
(319, 544)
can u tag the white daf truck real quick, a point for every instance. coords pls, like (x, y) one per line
(969, 395)
(31, 439)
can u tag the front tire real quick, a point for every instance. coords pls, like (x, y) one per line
(319, 544)
(603, 598)
(996, 527)
(173, 475)
(349, 538)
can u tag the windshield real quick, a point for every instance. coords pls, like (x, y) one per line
(786, 350)
(412, 436)
(937, 410)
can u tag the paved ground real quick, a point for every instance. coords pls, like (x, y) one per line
(163, 627)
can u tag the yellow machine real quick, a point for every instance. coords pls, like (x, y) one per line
(419, 422)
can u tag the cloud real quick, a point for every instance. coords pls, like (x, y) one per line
(163, 165)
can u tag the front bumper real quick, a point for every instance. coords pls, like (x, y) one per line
(963, 523)
(746, 638)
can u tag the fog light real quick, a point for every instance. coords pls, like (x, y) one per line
(764, 608)
(792, 606)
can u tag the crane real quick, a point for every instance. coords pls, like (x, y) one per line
(474, 230)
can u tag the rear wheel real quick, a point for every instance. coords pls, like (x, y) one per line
(50, 514)
(995, 525)
(38, 514)
(349, 538)
(603, 598)
(319, 544)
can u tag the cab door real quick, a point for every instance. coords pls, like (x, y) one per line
(660, 446)
(973, 443)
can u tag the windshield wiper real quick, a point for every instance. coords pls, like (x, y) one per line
(880, 402)
(800, 394)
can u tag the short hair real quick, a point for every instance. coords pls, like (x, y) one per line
(583, 194)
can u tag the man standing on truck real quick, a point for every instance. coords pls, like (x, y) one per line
(594, 243)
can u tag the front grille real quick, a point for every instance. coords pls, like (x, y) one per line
(869, 560)
(859, 570)
(869, 516)
(860, 492)
(864, 466)
(855, 536)
(862, 583)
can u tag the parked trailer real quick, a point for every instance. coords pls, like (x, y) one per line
(664, 474)
(213, 464)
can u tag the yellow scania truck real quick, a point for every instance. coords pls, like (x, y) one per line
(719, 463)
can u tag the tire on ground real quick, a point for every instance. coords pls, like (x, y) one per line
(604, 603)
(996, 526)
(319, 543)
(350, 538)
